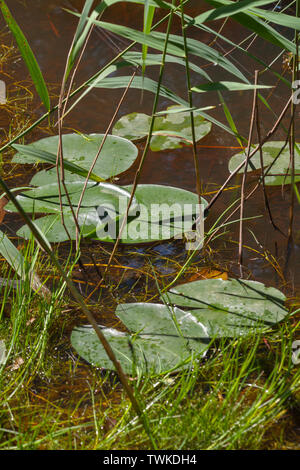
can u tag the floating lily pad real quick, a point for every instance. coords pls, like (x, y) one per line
(101, 202)
(229, 308)
(45, 199)
(153, 348)
(163, 337)
(53, 229)
(157, 319)
(44, 177)
(159, 215)
(280, 171)
(116, 156)
(170, 132)
(157, 212)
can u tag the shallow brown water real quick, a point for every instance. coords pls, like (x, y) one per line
(50, 29)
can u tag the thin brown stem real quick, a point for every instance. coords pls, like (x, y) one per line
(245, 170)
(100, 148)
(240, 166)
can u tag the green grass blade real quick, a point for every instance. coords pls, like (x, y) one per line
(228, 86)
(278, 18)
(230, 120)
(155, 59)
(229, 10)
(148, 20)
(175, 46)
(81, 33)
(27, 54)
(237, 46)
(141, 83)
(156, 40)
(258, 26)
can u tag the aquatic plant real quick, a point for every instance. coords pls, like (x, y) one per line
(166, 337)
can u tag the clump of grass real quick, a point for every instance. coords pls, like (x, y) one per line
(235, 398)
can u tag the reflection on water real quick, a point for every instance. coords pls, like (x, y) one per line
(49, 29)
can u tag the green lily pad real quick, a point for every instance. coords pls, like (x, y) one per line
(170, 132)
(154, 319)
(44, 177)
(55, 232)
(116, 156)
(279, 173)
(164, 337)
(100, 203)
(151, 224)
(45, 199)
(155, 348)
(229, 308)
(157, 212)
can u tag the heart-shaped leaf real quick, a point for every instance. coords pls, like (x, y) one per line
(153, 348)
(46, 198)
(53, 229)
(116, 156)
(157, 212)
(163, 212)
(163, 337)
(170, 132)
(277, 170)
(101, 202)
(229, 307)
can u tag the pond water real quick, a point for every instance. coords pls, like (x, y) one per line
(49, 30)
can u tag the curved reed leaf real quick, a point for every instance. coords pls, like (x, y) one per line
(141, 83)
(229, 10)
(260, 27)
(175, 46)
(27, 54)
(278, 18)
(81, 32)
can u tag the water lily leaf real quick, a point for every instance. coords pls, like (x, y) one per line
(116, 156)
(170, 132)
(55, 232)
(46, 198)
(42, 156)
(163, 337)
(280, 172)
(133, 126)
(44, 177)
(157, 212)
(153, 350)
(159, 215)
(157, 319)
(12, 255)
(229, 307)
(101, 202)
